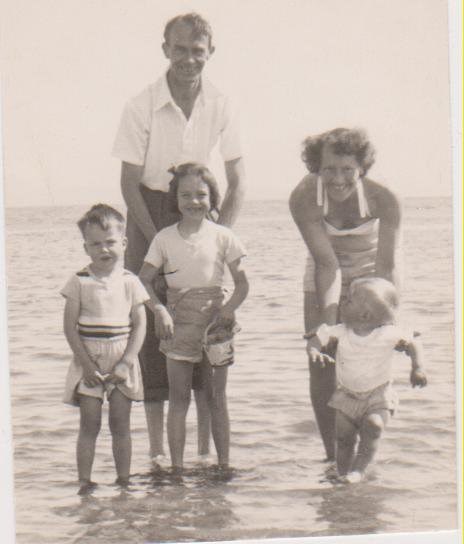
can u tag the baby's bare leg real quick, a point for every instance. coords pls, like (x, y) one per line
(371, 430)
(90, 424)
(347, 434)
(119, 422)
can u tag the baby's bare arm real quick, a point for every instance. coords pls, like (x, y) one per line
(313, 349)
(415, 352)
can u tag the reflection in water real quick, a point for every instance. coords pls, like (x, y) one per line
(352, 509)
(157, 508)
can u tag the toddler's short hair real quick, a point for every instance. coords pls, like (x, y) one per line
(192, 169)
(380, 296)
(101, 215)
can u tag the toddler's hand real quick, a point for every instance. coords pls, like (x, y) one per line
(164, 325)
(418, 377)
(318, 358)
(90, 375)
(119, 374)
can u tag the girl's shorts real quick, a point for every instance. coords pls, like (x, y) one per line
(192, 310)
(106, 354)
(357, 405)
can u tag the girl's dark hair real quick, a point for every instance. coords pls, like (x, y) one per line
(192, 169)
(342, 141)
(101, 215)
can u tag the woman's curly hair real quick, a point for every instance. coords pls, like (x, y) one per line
(192, 169)
(342, 141)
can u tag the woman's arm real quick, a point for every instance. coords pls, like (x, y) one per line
(70, 319)
(241, 287)
(389, 213)
(164, 326)
(308, 218)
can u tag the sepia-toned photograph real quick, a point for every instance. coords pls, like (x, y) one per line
(229, 272)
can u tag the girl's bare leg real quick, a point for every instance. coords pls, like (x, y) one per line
(371, 430)
(119, 423)
(180, 383)
(154, 414)
(322, 383)
(220, 426)
(203, 421)
(90, 424)
(347, 434)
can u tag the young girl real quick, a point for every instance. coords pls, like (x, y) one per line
(192, 255)
(364, 398)
(104, 323)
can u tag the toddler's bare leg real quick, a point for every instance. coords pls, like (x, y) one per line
(90, 424)
(119, 423)
(180, 383)
(203, 421)
(370, 433)
(347, 434)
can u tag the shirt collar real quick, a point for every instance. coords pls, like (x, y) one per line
(163, 94)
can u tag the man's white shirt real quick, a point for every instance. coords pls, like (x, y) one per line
(155, 133)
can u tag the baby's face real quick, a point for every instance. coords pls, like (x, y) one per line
(105, 247)
(356, 307)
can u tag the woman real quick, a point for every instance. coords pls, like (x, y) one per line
(351, 226)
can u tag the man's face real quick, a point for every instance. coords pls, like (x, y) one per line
(187, 53)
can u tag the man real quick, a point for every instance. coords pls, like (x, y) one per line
(177, 119)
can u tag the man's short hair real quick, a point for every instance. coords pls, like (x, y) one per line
(199, 26)
(101, 215)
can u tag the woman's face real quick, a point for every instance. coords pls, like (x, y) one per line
(339, 173)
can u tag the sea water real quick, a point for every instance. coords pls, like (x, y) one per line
(277, 486)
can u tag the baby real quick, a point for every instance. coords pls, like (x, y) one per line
(366, 341)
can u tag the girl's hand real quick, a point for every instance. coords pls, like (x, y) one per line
(164, 325)
(418, 377)
(90, 378)
(225, 317)
(318, 358)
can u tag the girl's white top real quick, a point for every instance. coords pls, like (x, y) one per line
(198, 261)
(363, 362)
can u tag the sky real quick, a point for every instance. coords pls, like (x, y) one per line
(293, 68)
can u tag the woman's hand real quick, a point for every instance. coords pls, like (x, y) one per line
(164, 325)
(418, 377)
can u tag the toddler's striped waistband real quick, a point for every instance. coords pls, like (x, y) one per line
(103, 332)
